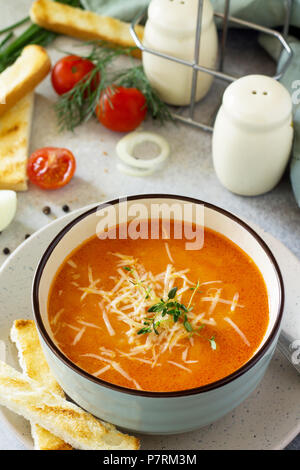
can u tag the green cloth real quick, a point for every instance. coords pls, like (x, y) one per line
(289, 78)
(125, 10)
(265, 12)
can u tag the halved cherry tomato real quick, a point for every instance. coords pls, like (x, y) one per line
(51, 167)
(69, 70)
(121, 109)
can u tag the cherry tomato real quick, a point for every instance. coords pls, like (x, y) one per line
(121, 109)
(70, 70)
(51, 167)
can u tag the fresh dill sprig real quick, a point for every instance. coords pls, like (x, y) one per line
(135, 77)
(79, 104)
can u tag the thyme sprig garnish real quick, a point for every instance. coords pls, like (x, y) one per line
(170, 307)
(79, 104)
(173, 308)
(137, 282)
(177, 311)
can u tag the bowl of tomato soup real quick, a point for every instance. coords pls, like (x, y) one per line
(158, 313)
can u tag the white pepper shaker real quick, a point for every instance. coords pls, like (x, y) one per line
(253, 135)
(171, 29)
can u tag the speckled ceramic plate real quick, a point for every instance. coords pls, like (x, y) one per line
(268, 419)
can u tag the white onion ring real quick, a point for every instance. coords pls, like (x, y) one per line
(127, 144)
(134, 171)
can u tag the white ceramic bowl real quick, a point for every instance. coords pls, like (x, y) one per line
(158, 412)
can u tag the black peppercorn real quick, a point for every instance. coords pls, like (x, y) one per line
(66, 208)
(6, 251)
(27, 236)
(46, 210)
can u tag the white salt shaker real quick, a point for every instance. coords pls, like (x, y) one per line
(253, 135)
(171, 29)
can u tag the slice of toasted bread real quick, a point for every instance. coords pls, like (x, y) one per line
(83, 24)
(23, 76)
(81, 430)
(31, 357)
(33, 362)
(45, 440)
(15, 128)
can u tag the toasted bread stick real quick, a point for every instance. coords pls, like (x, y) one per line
(81, 430)
(34, 365)
(15, 130)
(23, 76)
(83, 24)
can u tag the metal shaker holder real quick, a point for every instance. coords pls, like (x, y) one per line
(226, 19)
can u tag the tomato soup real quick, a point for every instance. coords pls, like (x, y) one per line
(150, 315)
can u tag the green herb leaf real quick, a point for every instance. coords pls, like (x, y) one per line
(172, 293)
(156, 308)
(126, 268)
(213, 344)
(188, 326)
(148, 291)
(155, 325)
(144, 331)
